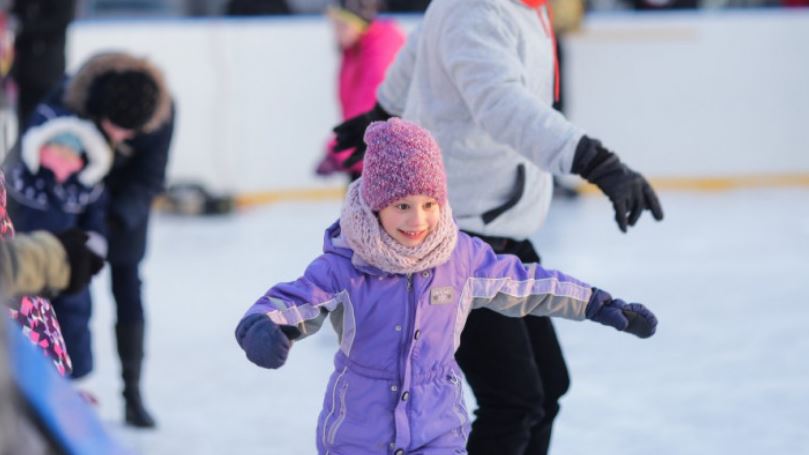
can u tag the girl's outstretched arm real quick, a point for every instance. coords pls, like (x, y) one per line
(504, 284)
(287, 312)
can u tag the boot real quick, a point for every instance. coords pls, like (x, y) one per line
(130, 350)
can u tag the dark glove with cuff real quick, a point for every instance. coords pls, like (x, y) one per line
(633, 317)
(628, 191)
(351, 132)
(263, 341)
(84, 263)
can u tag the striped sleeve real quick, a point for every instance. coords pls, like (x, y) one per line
(303, 303)
(504, 284)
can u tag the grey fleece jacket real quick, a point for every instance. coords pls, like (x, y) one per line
(479, 75)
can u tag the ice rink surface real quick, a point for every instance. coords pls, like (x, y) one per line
(727, 274)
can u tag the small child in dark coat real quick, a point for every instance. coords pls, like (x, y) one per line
(56, 185)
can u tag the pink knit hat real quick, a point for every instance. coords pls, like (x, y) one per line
(402, 160)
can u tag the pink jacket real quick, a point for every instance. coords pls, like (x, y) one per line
(362, 69)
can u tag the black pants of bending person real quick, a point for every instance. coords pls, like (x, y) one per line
(517, 373)
(130, 337)
(126, 289)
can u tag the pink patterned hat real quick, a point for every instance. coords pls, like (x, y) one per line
(402, 160)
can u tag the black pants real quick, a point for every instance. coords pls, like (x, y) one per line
(517, 372)
(126, 290)
(74, 312)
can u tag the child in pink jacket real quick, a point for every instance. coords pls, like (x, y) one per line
(368, 46)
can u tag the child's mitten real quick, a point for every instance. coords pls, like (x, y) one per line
(633, 318)
(263, 341)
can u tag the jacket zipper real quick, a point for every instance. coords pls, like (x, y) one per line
(326, 420)
(342, 416)
(406, 331)
(457, 407)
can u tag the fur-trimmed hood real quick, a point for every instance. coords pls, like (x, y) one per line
(97, 151)
(78, 87)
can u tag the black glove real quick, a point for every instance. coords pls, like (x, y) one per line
(83, 262)
(629, 191)
(351, 132)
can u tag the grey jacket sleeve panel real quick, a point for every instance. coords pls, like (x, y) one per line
(33, 264)
(479, 52)
(538, 297)
(392, 93)
(306, 302)
(503, 283)
(311, 319)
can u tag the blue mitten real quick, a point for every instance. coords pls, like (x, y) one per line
(633, 318)
(263, 341)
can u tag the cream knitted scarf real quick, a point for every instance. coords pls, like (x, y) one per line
(365, 235)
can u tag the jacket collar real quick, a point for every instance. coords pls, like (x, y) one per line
(333, 243)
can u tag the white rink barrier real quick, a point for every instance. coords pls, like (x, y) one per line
(706, 95)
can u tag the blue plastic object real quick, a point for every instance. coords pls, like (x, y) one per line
(70, 421)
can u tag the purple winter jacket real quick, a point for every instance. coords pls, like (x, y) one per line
(396, 384)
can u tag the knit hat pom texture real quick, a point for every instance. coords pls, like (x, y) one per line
(402, 159)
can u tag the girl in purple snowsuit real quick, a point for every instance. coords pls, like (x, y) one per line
(397, 280)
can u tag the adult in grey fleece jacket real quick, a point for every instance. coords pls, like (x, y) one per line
(479, 75)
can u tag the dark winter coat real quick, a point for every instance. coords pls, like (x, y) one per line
(137, 176)
(139, 164)
(39, 60)
(36, 200)
(139, 167)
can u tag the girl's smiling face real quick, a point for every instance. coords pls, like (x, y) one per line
(410, 219)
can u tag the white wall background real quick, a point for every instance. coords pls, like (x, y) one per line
(677, 95)
(705, 94)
